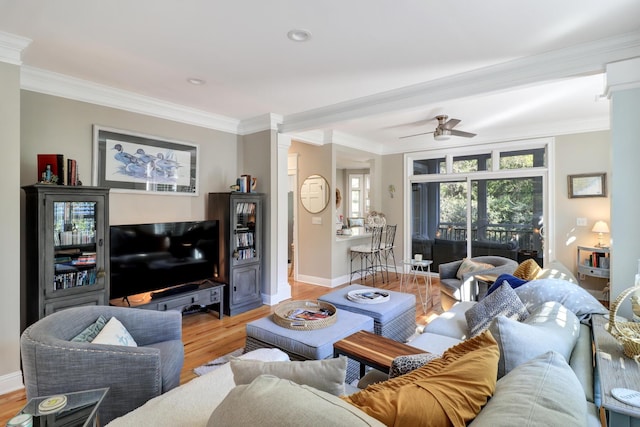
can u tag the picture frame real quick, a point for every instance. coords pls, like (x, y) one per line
(587, 185)
(131, 162)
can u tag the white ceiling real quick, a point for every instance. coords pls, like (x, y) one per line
(374, 70)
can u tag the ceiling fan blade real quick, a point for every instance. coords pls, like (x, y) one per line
(461, 133)
(451, 123)
(416, 134)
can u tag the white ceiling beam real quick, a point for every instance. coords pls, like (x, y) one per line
(584, 59)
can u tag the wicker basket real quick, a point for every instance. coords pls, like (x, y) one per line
(627, 333)
(282, 314)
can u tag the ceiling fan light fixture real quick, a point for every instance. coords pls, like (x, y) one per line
(442, 134)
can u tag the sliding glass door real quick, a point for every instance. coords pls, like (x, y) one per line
(478, 207)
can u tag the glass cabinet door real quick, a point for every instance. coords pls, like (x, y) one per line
(75, 249)
(245, 233)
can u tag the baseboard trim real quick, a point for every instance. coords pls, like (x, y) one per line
(11, 382)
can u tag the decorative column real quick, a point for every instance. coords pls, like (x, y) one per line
(623, 90)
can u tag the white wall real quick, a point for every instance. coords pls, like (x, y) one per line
(578, 154)
(10, 242)
(56, 125)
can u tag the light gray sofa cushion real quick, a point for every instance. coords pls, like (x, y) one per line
(550, 327)
(540, 392)
(571, 295)
(452, 323)
(327, 375)
(272, 401)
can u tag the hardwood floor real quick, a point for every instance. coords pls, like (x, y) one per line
(206, 337)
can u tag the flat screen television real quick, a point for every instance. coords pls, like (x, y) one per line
(150, 257)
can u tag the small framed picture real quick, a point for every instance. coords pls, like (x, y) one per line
(588, 185)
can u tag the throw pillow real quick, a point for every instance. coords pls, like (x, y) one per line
(513, 281)
(540, 392)
(91, 331)
(327, 375)
(571, 295)
(449, 390)
(469, 266)
(550, 327)
(527, 270)
(503, 302)
(272, 401)
(114, 333)
(404, 364)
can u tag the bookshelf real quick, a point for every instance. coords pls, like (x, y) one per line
(67, 248)
(240, 246)
(593, 262)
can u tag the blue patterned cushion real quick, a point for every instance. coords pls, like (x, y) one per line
(91, 331)
(503, 302)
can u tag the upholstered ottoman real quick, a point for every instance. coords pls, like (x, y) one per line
(395, 318)
(308, 345)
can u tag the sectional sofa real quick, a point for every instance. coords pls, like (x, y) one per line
(543, 365)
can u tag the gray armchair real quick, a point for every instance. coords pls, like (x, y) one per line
(453, 289)
(52, 364)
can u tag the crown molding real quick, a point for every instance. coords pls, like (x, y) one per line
(623, 75)
(351, 141)
(47, 82)
(260, 123)
(11, 47)
(577, 60)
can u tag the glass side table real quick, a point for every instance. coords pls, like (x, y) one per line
(411, 279)
(81, 409)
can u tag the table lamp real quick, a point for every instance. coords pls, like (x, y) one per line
(600, 227)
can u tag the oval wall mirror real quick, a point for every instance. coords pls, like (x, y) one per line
(314, 194)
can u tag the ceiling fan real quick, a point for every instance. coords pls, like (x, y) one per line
(444, 130)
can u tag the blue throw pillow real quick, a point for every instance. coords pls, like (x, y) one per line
(513, 281)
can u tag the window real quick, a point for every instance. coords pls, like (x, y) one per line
(359, 203)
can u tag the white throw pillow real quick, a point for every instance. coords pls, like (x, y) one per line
(114, 333)
(549, 327)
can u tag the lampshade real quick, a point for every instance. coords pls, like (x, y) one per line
(600, 227)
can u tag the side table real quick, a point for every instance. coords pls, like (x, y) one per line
(423, 267)
(81, 409)
(372, 350)
(615, 370)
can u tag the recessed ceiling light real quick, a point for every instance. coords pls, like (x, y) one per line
(195, 81)
(299, 35)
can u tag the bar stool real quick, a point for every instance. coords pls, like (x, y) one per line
(386, 249)
(369, 256)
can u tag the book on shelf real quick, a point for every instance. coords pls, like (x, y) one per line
(72, 172)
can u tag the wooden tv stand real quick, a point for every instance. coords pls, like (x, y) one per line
(207, 293)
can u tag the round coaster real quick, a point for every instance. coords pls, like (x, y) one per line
(53, 403)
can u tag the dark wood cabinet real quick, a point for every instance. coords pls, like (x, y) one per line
(67, 248)
(240, 217)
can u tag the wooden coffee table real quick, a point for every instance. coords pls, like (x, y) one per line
(372, 350)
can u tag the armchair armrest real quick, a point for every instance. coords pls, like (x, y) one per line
(448, 270)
